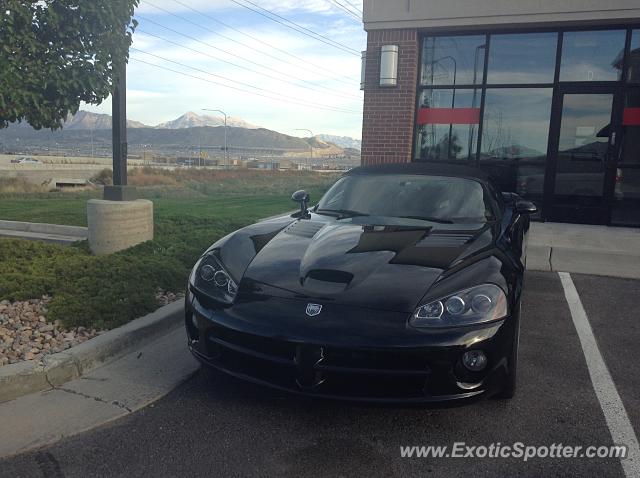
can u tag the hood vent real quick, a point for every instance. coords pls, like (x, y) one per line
(330, 275)
(445, 240)
(303, 228)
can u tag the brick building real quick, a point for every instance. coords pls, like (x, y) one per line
(543, 94)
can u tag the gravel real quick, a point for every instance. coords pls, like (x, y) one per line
(165, 298)
(25, 333)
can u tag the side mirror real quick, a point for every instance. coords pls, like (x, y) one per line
(303, 198)
(526, 207)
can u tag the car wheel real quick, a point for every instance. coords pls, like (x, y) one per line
(510, 382)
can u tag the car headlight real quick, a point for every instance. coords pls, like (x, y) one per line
(483, 303)
(211, 278)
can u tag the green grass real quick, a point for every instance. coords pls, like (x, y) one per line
(108, 291)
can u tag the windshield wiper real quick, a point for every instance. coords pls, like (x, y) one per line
(342, 213)
(430, 219)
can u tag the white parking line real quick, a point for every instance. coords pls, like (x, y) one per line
(614, 412)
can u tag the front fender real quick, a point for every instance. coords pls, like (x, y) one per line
(238, 249)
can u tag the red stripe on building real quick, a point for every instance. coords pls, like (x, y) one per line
(449, 116)
(631, 117)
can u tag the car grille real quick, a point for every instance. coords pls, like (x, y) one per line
(325, 371)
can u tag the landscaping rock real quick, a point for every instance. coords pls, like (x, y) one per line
(25, 333)
(164, 298)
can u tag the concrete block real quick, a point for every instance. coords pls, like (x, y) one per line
(118, 225)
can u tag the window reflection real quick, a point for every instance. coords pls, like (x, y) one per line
(583, 149)
(525, 179)
(631, 125)
(448, 124)
(634, 58)
(592, 56)
(516, 124)
(522, 58)
(450, 199)
(626, 205)
(456, 60)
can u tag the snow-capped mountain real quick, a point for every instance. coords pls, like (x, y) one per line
(193, 120)
(342, 141)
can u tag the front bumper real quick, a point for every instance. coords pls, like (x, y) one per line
(336, 359)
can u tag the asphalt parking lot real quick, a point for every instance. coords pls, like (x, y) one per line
(219, 426)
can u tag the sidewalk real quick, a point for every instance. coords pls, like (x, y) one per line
(43, 232)
(583, 249)
(139, 378)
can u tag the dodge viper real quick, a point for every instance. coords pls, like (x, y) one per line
(402, 284)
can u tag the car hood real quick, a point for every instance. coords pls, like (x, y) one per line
(388, 267)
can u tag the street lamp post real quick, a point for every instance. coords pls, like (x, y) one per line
(226, 156)
(310, 145)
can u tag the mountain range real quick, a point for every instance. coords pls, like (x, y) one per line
(89, 133)
(87, 121)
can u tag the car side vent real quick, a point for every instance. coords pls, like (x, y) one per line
(306, 229)
(444, 240)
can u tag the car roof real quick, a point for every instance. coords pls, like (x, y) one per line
(427, 169)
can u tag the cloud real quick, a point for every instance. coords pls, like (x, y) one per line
(156, 95)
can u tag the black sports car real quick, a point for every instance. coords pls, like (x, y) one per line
(402, 284)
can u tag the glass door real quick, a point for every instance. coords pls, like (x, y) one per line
(582, 168)
(626, 193)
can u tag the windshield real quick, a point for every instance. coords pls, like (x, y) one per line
(437, 198)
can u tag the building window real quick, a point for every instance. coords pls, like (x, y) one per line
(452, 61)
(626, 198)
(497, 114)
(515, 137)
(634, 58)
(592, 56)
(448, 121)
(516, 124)
(631, 125)
(522, 58)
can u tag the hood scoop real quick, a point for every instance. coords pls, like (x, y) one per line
(326, 281)
(306, 229)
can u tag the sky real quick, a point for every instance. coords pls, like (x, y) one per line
(257, 70)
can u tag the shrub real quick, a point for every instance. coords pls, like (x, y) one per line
(19, 185)
(108, 291)
(103, 178)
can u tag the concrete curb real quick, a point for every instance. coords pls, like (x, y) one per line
(27, 377)
(583, 261)
(41, 228)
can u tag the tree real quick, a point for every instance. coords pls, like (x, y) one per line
(55, 54)
(446, 148)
